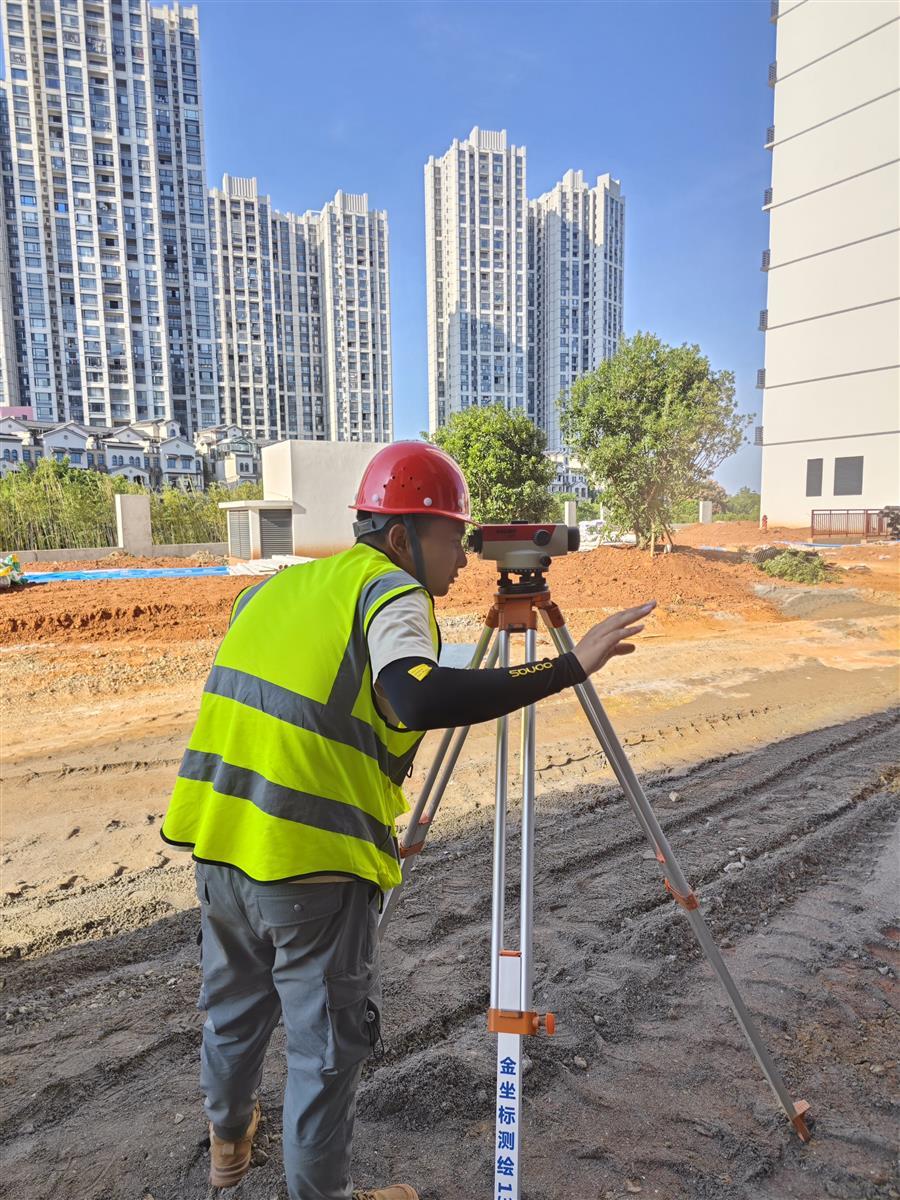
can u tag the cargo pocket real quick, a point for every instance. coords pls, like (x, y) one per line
(354, 1020)
(310, 902)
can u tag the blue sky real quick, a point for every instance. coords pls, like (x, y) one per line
(671, 98)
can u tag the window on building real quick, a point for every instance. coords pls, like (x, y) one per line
(848, 476)
(814, 476)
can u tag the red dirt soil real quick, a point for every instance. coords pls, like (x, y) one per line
(181, 610)
(738, 533)
(617, 577)
(118, 561)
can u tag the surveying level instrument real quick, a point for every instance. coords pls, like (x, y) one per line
(523, 553)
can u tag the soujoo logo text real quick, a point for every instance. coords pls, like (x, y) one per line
(532, 669)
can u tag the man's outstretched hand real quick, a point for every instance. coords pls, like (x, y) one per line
(608, 639)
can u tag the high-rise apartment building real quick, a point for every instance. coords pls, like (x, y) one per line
(302, 316)
(105, 212)
(576, 242)
(240, 225)
(299, 340)
(475, 235)
(353, 263)
(831, 401)
(523, 296)
(9, 379)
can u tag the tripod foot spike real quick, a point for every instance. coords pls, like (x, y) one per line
(798, 1120)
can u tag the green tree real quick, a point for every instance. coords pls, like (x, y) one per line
(649, 426)
(502, 456)
(742, 506)
(687, 511)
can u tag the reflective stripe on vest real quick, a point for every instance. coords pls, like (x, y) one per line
(291, 770)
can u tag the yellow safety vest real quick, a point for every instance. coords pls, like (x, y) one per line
(291, 770)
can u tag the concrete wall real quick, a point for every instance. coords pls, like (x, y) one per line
(134, 537)
(319, 480)
(84, 553)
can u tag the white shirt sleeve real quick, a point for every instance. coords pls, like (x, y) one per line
(401, 629)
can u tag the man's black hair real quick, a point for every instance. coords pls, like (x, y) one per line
(376, 537)
(373, 528)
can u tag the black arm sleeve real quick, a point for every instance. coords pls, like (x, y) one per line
(444, 697)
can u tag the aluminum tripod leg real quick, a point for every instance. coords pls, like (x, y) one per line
(442, 766)
(676, 882)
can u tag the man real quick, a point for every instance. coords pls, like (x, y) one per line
(320, 693)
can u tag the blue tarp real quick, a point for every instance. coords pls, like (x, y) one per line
(124, 573)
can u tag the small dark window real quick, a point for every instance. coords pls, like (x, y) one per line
(848, 475)
(814, 476)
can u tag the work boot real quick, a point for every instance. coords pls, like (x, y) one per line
(397, 1191)
(230, 1161)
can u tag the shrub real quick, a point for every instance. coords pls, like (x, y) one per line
(798, 566)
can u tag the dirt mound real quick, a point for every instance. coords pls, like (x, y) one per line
(165, 610)
(616, 577)
(120, 561)
(180, 610)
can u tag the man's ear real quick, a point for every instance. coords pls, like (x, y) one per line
(397, 539)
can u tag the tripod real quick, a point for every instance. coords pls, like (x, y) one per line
(511, 1014)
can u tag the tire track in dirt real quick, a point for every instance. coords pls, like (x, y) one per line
(667, 1037)
(90, 771)
(650, 928)
(595, 873)
(670, 1096)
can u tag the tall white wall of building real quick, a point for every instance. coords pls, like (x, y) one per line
(242, 269)
(832, 359)
(298, 325)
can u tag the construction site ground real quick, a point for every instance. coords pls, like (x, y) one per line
(763, 719)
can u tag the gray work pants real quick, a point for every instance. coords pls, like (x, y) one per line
(308, 953)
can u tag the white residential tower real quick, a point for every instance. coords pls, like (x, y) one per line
(475, 235)
(576, 244)
(302, 317)
(105, 211)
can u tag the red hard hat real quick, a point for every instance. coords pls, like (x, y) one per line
(413, 477)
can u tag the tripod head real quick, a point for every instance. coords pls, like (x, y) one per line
(524, 550)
